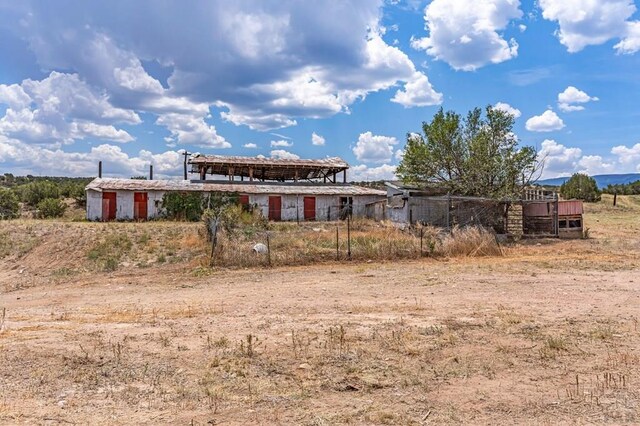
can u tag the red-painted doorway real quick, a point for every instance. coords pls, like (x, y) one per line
(309, 208)
(108, 206)
(140, 205)
(275, 208)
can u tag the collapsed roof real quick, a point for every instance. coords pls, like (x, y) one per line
(275, 169)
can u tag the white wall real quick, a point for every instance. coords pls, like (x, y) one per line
(124, 204)
(94, 205)
(327, 206)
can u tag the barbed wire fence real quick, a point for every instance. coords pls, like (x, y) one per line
(340, 233)
(304, 242)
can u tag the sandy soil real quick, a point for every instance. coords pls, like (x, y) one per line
(547, 334)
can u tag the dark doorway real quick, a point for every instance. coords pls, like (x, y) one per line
(346, 207)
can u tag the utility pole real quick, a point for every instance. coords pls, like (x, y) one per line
(186, 155)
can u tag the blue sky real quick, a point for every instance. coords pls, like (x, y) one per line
(134, 83)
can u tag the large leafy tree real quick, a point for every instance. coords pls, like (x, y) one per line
(582, 187)
(477, 155)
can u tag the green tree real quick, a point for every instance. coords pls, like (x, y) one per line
(34, 192)
(51, 207)
(478, 155)
(581, 187)
(9, 205)
(183, 205)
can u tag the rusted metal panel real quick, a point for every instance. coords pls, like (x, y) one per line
(570, 208)
(537, 209)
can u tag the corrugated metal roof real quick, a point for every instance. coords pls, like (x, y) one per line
(111, 184)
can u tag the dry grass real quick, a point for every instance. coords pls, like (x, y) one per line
(541, 335)
(304, 244)
(471, 241)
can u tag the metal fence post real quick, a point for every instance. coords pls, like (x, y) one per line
(556, 218)
(214, 236)
(268, 251)
(349, 237)
(448, 212)
(337, 243)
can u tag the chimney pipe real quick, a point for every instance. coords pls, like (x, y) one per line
(150, 171)
(100, 169)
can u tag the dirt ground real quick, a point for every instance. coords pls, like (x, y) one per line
(547, 334)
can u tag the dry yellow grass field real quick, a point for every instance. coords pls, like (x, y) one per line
(124, 324)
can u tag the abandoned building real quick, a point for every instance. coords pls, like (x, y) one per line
(538, 213)
(282, 189)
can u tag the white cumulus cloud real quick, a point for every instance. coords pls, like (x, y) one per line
(628, 156)
(281, 153)
(561, 160)
(466, 33)
(372, 148)
(281, 143)
(266, 54)
(548, 121)
(250, 145)
(502, 106)
(364, 173)
(317, 139)
(417, 92)
(571, 98)
(589, 22)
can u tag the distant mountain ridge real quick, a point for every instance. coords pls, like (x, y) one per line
(601, 180)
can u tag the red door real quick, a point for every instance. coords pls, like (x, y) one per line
(243, 200)
(275, 208)
(309, 208)
(108, 206)
(140, 205)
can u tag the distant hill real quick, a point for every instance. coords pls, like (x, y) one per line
(601, 180)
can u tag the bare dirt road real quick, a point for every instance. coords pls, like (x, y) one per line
(547, 334)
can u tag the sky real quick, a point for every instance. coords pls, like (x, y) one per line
(134, 83)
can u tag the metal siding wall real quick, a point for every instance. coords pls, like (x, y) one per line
(289, 208)
(398, 215)
(152, 210)
(360, 202)
(124, 205)
(570, 208)
(94, 205)
(262, 201)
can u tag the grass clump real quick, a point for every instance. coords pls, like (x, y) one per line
(471, 241)
(108, 253)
